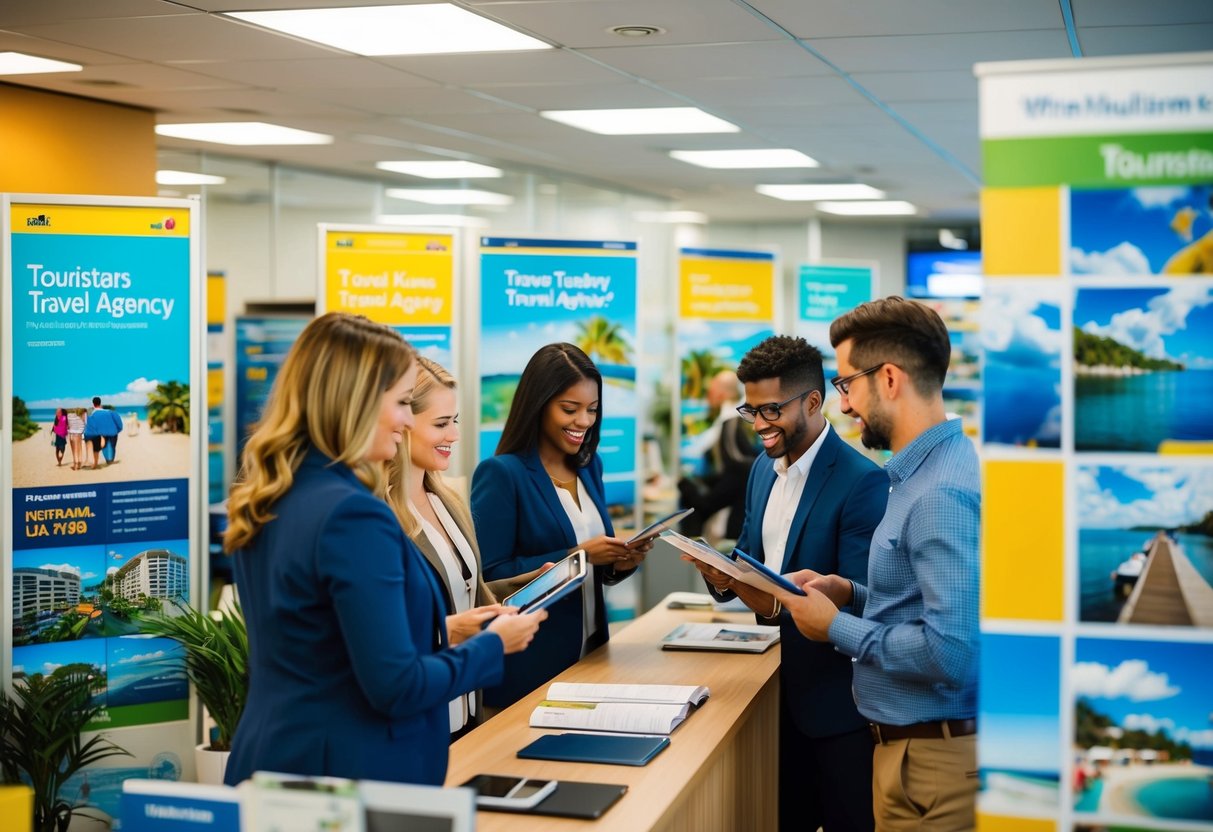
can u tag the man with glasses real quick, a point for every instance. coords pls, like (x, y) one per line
(812, 503)
(912, 626)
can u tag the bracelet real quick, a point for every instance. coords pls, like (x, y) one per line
(775, 610)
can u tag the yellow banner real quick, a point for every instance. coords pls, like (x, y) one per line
(726, 290)
(107, 220)
(214, 387)
(393, 278)
(216, 299)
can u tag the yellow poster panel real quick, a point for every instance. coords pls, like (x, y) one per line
(104, 220)
(1023, 533)
(1021, 232)
(216, 299)
(394, 278)
(722, 289)
(998, 823)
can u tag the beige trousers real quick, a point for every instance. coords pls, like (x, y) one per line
(925, 785)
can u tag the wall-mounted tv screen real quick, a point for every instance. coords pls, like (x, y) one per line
(943, 274)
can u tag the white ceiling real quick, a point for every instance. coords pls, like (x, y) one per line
(879, 91)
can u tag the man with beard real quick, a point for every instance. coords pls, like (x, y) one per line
(811, 503)
(913, 628)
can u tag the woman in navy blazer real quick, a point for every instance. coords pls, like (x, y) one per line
(540, 498)
(349, 667)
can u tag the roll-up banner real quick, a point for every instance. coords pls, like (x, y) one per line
(726, 305)
(824, 292)
(535, 292)
(404, 279)
(1097, 330)
(102, 447)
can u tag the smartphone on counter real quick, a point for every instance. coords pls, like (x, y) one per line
(498, 791)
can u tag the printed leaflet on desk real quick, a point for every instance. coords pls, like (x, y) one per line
(631, 709)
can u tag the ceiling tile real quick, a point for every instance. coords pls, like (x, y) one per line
(58, 11)
(410, 101)
(917, 53)
(945, 85)
(580, 96)
(541, 67)
(42, 48)
(769, 59)
(1145, 40)
(325, 72)
(848, 18)
(1137, 13)
(811, 90)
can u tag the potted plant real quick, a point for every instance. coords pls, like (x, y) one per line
(40, 742)
(216, 661)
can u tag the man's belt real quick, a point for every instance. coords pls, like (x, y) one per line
(941, 729)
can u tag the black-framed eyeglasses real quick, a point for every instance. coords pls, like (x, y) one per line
(771, 411)
(843, 383)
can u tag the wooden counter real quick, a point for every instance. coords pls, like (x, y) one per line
(720, 770)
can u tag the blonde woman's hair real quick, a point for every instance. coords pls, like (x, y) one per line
(431, 376)
(327, 396)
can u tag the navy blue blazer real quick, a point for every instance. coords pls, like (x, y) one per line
(349, 669)
(843, 501)
(521, 525)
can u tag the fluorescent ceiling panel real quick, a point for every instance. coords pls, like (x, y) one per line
(450, 196)
(183, 177)
(442, 170)
(428, 29)
(242, 133)
(879, 208)
(783, 157)
(18, 63)
(813, 193)
(646, 121)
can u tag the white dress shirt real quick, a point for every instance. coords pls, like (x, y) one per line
(784, 499)
(587, 523)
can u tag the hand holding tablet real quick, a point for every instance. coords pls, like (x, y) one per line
(655, 529)
(551, 586)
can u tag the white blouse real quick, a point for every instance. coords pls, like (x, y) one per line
(587, 523)
(457, 563)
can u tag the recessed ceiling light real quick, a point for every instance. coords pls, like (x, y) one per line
(242, 133)
(450, 196)
(182, 177)
(18, 63)
(813, 193)
(424, 29)
(673, 217)
(879, 208)
(442, 170)
(782, 157)
(642, 121)
(636, 31)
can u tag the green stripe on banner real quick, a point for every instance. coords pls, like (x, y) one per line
(1115, 161)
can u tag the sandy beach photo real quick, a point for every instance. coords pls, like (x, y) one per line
(146, 455)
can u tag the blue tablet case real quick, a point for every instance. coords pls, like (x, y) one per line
(774, 576)
(609, 749)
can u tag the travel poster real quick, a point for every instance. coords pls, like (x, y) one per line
(1161, 230)
(102, 301)
(583, 292)
(404, 279)
(726, 307)
(262, 342)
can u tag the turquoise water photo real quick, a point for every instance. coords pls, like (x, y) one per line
(1137, 413)
(1101, 551)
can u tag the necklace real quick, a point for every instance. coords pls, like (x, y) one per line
(563, 483)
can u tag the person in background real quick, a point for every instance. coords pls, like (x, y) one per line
(59, 435)
(913, 628)
(728, 447)
(113, 432)
(438, 521)
(812, 503)
(75, 436)
(95, 427)
(540, 498)
(350, 669)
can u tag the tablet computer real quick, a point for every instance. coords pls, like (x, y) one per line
(552, 585)
(654, 529)
(767, 574)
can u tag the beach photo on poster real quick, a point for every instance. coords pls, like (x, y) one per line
(1145, 543)
(86, 657)
(1143, 368)
(1141, 231)
(1019, 753)
(1143, 741)
(1022, 342)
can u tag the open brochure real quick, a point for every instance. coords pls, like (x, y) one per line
(731, 638)
(628, 709)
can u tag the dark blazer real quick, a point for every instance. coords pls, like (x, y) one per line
(349, 669)
(522, 525)
(842, 503)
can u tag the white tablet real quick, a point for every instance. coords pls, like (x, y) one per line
(552, 585)
(653, 529)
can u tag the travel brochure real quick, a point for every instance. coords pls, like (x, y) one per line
(628, 709)
(729, 638)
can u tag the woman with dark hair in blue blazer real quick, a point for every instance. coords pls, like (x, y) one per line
(540, 498)
(350, 668)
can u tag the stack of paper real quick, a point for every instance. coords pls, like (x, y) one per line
(629, 709)
(732, 638)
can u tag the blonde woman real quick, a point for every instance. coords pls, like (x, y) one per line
(438, 520)
(324, 570)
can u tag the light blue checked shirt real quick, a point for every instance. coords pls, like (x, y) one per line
(915, 646)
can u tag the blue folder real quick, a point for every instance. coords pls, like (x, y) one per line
(768, 573)
(609, 749)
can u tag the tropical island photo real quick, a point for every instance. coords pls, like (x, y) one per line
(1022, 338)
(1143, 369)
